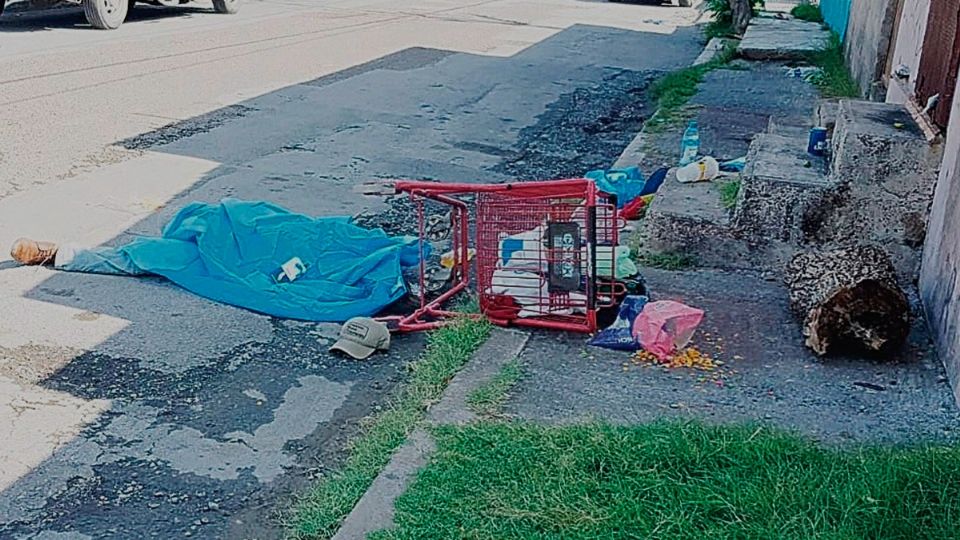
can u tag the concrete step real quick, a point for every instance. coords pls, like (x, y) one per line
(782, 39)
(781, 188)
(686, 218)
(887, 172)
(690, 219)
(794, 127)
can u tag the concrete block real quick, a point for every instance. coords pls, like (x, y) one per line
(690, 219)
(781, 189)
(782, 39)
(886, 172)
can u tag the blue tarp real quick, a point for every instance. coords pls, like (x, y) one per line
(232, 253)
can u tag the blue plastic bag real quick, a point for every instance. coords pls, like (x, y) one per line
(619, 335)
(627, 184)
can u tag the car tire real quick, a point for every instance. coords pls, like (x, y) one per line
(106, 14)
(226, 6)
(685, 3)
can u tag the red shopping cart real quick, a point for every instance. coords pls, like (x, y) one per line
(544, 252)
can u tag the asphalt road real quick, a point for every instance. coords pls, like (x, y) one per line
(131, 408)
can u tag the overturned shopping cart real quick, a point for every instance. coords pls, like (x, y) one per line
(544, 252)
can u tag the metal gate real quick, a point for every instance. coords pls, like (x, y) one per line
(940, 59)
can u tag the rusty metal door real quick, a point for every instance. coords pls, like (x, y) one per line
(940, 58)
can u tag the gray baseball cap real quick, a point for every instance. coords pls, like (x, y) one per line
(362, 336)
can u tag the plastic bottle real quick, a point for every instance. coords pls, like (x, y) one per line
(690, 145)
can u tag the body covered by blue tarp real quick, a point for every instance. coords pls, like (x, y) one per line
(232, 252)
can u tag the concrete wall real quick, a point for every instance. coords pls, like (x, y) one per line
(867, 42)
(940, 276)
(913, 28)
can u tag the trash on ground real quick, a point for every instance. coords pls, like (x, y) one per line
(448, 259)
(734, 165)
(291, 270)
(619, 258)
(634, 209)
(848, 298)
(689, 357)
(261, 257)
(805, 73)
(655, 181)
(666, 326)
(619, 335)
(625, 184)
(690, 144)
(870, 386)
(702, 170)
(817, 144)
(360, 337)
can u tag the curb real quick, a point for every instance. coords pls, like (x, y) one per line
(375, 510)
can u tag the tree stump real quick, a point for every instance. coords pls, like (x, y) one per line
(848, 299)
(740, 13)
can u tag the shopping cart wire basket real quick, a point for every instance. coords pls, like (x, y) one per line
(538, 247)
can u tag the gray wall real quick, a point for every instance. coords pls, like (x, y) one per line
(867, 42)
(940, 276)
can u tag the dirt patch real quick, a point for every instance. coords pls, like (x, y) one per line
(583, 130)
(187, 128)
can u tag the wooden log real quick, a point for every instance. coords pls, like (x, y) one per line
(848, 299)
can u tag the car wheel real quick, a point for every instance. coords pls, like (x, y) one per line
(685, 3)
(226, 6)
(106, 14)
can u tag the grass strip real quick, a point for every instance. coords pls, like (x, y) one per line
(319, 513)
(834, 79)
(674, 90)
(807, 12)
(728, 193)
(488, 399)
(677, 481)
(667, 260)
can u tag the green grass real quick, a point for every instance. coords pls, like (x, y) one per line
(834, 80)
(319, 513)
(718, 28)
(489, 398)
(676, 481)
(807, 12)
(720, 22)
(728, 193)
(667, 260)
(674, 90)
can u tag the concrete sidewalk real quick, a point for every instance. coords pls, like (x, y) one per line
(768, 376)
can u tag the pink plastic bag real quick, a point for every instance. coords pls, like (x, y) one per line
(666, 326)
